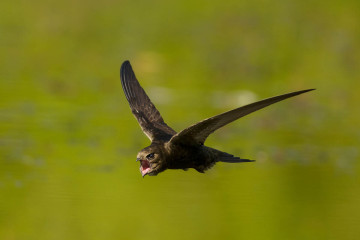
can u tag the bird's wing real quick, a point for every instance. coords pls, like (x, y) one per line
(143, 109)
(197, 133)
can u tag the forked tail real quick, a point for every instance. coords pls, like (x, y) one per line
(229, 158)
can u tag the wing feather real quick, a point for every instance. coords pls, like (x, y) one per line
(145, 112)
(197, 133)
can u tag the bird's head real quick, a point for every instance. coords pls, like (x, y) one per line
(151, 161)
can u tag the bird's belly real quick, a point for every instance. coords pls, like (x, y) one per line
(185, 157)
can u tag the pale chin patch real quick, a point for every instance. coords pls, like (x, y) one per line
(144, 167)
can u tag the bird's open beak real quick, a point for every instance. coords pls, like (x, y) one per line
(145, 167)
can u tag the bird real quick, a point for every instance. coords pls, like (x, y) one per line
(185, 149)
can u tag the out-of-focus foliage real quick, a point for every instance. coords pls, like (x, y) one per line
(68, 140)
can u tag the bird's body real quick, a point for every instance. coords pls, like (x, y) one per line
(186, 149)
(177, 156)
(198, 157)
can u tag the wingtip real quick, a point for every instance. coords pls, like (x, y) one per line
(311, 89)
(125, 69)
(301, 92)
(307, 90)
(125, 64)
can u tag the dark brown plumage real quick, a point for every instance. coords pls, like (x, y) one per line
(183, 150)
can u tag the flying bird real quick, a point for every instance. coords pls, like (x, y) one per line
(185, 149)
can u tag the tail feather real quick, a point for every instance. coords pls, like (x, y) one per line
(229, 158)
(234, 160)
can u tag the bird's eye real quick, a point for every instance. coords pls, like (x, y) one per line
(150, 156)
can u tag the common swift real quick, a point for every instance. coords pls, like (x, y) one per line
(185, 149)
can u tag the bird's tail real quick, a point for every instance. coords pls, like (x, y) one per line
(229, 158)
(234, 160)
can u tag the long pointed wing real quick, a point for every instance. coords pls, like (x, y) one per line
(197, 133)
(143, 109)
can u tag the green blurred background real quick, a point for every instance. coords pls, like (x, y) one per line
(68, 140)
